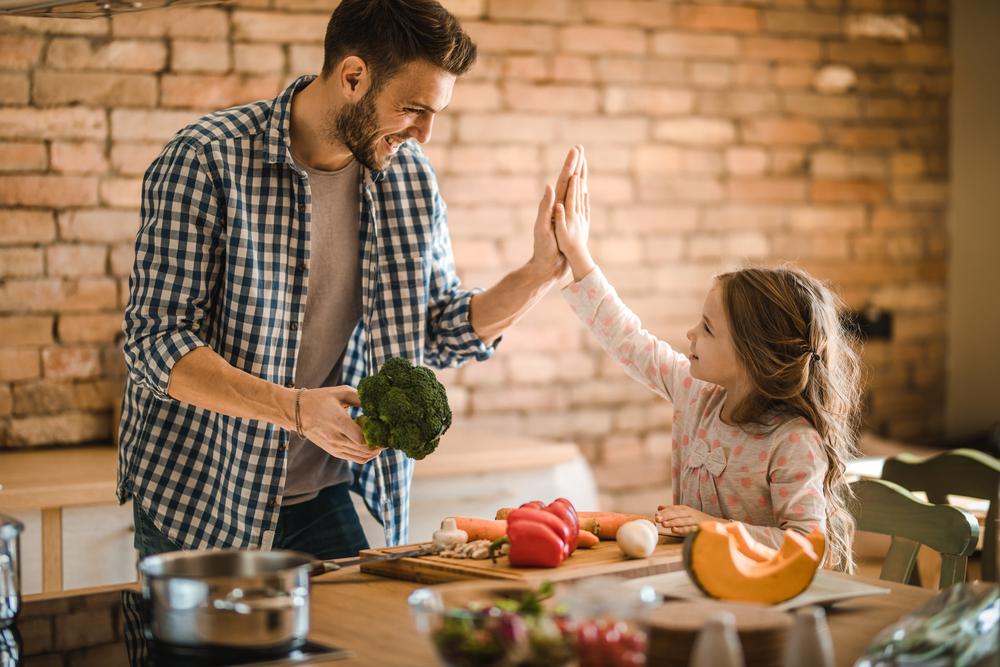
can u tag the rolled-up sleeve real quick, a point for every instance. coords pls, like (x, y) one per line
(176, 266)
(450, 339)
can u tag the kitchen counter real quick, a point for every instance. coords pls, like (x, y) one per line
(369, 616)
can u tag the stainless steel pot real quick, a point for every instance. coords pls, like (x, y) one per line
(10, 569)
(227, 599)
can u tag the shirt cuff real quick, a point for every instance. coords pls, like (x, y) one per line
(153, 369)
(462, 337)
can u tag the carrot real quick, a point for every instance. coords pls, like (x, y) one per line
(587, 540)
(605, 524)
(481, 529)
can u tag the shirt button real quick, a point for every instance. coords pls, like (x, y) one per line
(282, 446)
(300, 208)
(301, 266)
(294, 326)
(271, 503)
(290, 385)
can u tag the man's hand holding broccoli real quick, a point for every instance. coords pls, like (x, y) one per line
(325, 423)
(405, 408)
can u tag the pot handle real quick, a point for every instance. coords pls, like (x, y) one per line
(239, 602)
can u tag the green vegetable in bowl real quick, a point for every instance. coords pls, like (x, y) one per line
(405, 408)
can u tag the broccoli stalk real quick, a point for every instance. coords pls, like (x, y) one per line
(405, 408)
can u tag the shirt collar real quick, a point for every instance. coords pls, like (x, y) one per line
(277, 130)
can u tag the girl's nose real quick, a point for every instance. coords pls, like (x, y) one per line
(690, 334)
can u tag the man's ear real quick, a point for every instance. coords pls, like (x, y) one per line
(353, 78)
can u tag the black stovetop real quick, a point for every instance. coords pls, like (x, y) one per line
(106, 630)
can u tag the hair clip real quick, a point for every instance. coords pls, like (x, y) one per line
(814, 355)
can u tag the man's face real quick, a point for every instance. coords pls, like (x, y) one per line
(404, 108)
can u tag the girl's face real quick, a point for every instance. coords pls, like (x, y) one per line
(713, 357)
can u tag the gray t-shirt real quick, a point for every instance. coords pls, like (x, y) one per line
(333, 309)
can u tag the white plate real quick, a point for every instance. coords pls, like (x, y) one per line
(826, 588)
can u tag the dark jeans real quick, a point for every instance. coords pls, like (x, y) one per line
(325, 527)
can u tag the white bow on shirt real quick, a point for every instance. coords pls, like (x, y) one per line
(714, 460)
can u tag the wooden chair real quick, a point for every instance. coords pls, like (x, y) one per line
(889, 509)
(961, 472)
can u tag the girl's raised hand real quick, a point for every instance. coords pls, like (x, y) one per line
(572, 222)
(681, 519)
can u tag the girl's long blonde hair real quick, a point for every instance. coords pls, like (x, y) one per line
(801, 361)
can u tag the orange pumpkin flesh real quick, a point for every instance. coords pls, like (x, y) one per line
(725, 564)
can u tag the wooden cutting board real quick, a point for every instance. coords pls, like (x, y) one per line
(604, 559)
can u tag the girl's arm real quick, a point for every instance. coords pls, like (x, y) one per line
(619, 331)
(795, 475)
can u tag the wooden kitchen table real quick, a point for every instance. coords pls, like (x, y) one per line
(368, 614)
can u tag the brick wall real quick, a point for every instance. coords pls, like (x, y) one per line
(718, 134)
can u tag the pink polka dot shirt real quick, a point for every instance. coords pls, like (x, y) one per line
(769, 481)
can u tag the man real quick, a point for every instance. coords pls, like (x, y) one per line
(287, 249)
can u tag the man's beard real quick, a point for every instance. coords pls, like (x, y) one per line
(355, 126)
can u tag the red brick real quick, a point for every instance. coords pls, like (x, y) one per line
(514, 398)
(78, 157)
(865, 137)
(308, 59)
(135, 124)
(18, 363)
(62, 429)
(557, 11)
(839, 219)
(681, 188)
(746, 161)
(773, 48)
(712, 75)
(71, 123)
(22, 156)
(755, 75)
(822, 106)
(506, 128)
(737, 103)
(746, 216)
(655, 158)
(717, 17)
(76, 260)
(97, 26)
(866, 52)
(122, 258)
(22, 226)
(847, 191)
(602, 40)
(43, 397)
(531, 67)
(275, 27)
(650, 100)
(645, 13)
(119, 90)
(505, 37)
(514, 159)
(200, 56)
(33, 295)
(19, 51)
(496, 188)
(587, 130)
(698, 46)
(207, 22)
(463, 9)
(767, 189)
(98, 394)
(695, 131)
(55, 191)
(98, 225)
(14, 88)
(216, 91)
(908, 163)
(840, 164)
(919, 193)
(259, 58)
(132, 159)
(782, 132)
(121, 192)
(71, 362)
(874, 26)
(102, 328)
(6, 407)
(25, 330)
(569, 99)
(475, 96)
(816, 246)
(818, 24)
(885, 218)
(794, 76)
(76, 53)
(21, 262)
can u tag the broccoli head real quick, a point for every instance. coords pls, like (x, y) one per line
(405, 408)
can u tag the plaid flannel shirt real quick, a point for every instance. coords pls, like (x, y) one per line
(222, 259)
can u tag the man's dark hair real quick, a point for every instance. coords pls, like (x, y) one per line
(388, 34)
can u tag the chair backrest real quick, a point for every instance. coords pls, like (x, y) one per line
(889, 509)
(960, 472)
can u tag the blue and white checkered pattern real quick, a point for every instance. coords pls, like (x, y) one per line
(222, 259)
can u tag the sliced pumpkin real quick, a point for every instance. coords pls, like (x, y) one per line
(725, 563)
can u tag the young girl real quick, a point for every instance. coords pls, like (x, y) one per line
(766, 403)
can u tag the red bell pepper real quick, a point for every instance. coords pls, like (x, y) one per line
(539, 535)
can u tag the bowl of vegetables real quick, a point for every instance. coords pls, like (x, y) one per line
(511, 624)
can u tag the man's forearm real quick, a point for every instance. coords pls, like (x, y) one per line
(493, 311)
(206, 380)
